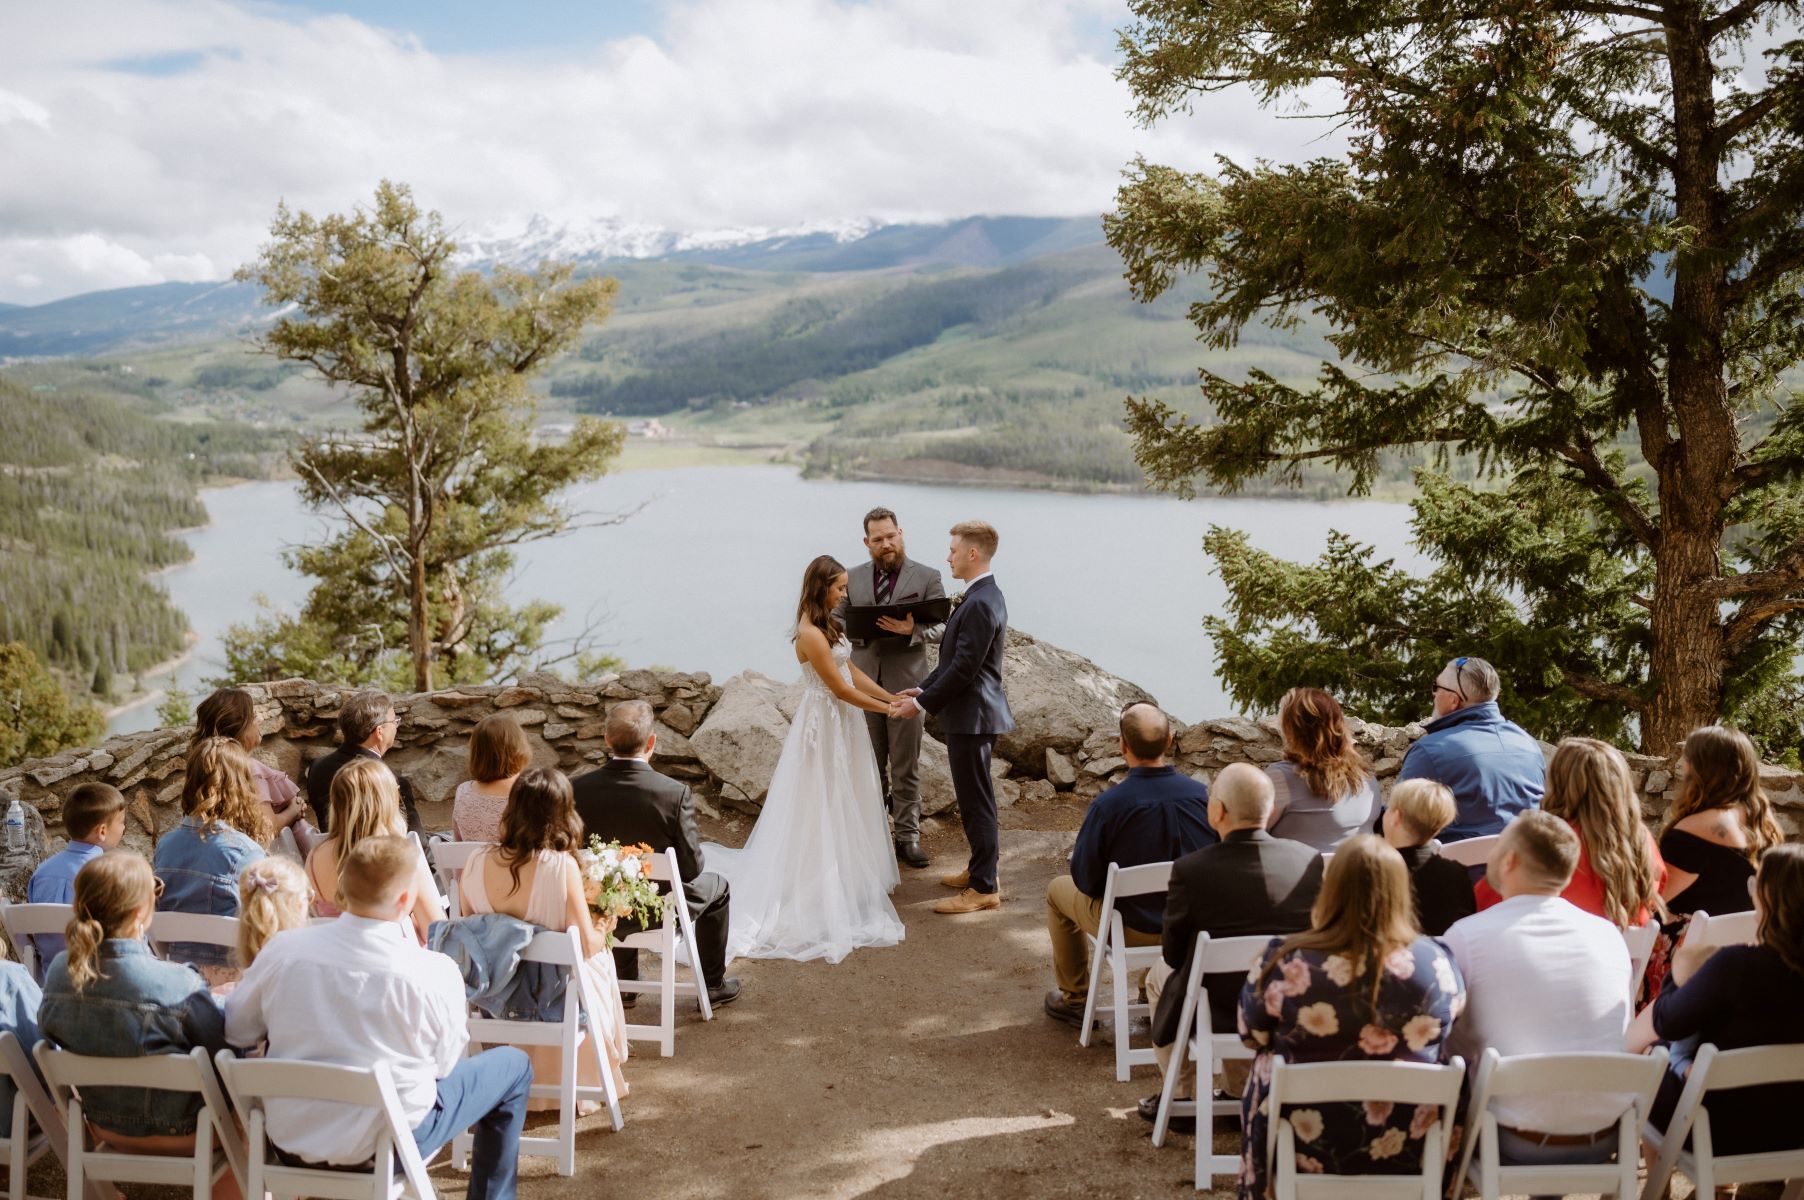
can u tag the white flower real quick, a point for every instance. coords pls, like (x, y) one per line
(610, 858)
(630, 868)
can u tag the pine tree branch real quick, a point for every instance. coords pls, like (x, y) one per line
(1730, 18)
(1581, 454)
(1597, 689)
(1754, 619)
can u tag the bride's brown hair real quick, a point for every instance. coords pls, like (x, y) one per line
(813, 608)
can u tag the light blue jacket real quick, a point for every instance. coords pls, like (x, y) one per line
(486, 948)
(199, 867)
(19, 1001)
(1493, 767)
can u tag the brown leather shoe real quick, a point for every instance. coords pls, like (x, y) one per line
(969, 901)
(961, 880)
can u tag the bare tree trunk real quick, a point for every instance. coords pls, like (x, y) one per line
(418, 644)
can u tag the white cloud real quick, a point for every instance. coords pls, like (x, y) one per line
(740, 113)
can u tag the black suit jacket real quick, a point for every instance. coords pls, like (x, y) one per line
(1250, 883)
(319, 787)
(629, 800)
(965, 691)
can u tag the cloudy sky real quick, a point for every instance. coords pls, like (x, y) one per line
(146, 141)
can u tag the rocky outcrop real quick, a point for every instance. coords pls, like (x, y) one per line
(723, 740)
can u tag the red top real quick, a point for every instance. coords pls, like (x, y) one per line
(1586, 890)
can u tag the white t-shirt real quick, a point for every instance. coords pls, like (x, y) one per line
(1542, 976)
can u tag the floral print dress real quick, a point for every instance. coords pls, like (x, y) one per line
(1313, 1007)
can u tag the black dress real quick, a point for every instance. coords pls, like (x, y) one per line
(1722, 874)
(1742, 996)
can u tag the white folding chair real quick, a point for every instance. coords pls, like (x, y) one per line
(674, 931)
(1636, 1075)
(217, 1148)
(1353, 1082)
(1110, 949)
(1717, 1071)
(1470, 852)
(253, 1083)
(26, 921)
(573, 1035)
(449, 859)
(1640, 942)
(180, 928)
(1735, 929)
(1197, 1042)
(31, 1103)
(426, 861)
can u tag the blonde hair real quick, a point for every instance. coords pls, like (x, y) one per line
(109, 892)
(273, 895)
(498, 749)
(366, 802)
(375, 870)
(1424, 806)
(1588, 784)
(1364, 911)
(219, 787)
(980, 534)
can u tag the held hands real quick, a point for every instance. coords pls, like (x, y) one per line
(903, 626)
(905, 705)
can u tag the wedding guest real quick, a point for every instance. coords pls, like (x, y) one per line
(20, 999)
(1735, 997)
(358, 990)
(497, 754)
(1619, 872)
(1323, 789)
(626, 800)
(366, 803)
(224, 828)
(107, 996)
(1250, 883)
(1718, 827)
(1362, 983)
(94, 820)
(1441, 889)
(1157, 814)
(1493, 767)
(1533, 953)
(367, 728)
(531, 873)
(230, 713)
(273, 896)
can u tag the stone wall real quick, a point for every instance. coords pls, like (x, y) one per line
(721, 739)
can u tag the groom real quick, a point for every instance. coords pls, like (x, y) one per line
(965, 693)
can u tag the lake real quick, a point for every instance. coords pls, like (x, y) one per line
(706, 576)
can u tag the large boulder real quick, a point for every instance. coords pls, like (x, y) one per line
(743, 736)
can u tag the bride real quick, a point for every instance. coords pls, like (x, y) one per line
(814, 878)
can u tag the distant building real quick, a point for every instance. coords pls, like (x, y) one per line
(649, 428)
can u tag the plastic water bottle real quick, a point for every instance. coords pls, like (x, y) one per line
(15, 825)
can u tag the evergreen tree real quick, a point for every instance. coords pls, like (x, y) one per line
(1565, 243)
(36, 717)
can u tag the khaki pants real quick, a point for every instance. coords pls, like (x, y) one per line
(1233, 1076)
(1070, 914)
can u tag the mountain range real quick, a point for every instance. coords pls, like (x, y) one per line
(139, 317)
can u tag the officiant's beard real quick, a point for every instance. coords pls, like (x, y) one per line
(892, 558)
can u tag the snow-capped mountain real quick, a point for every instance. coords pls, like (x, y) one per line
(605, 239)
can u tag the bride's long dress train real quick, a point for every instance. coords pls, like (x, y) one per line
(814, 877)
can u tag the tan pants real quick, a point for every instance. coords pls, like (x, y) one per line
(1070, 914)
(1233, 1076)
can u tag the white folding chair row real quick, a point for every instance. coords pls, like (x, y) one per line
(1640, 942)
(253, 1083)
(217, 1148)
(673, 932)
(1110, 949)
(167, 928)
(1735, 929)
(426, 861)
(448, 860)
(31, 1103)
(1352, 1083)
(1716, 1070)
(23, 922)
(1469, 852)
(572, 1036)
(1197, 1042)
(1634, 1075)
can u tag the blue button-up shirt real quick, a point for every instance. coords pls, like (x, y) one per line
(1156, 814)
(54, 883)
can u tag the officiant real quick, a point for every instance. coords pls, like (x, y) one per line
(896, 658)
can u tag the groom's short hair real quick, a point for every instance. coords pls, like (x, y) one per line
(628, 728)
(981, 534)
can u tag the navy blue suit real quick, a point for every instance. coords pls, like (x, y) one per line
(964, 693)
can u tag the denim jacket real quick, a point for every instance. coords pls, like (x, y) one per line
(486, 948)
(199, 867)
(19, 1002)
(139, 1005)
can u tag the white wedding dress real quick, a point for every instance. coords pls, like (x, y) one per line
(814, 878)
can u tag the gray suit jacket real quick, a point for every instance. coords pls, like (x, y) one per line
(898, 668)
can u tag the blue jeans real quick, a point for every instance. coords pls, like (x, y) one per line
(1514, 1150)
(488, 1091)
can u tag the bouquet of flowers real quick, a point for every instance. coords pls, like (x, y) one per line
(617, 883)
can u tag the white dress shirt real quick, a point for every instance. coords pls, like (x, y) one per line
(354, 992)
(1542, 976)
